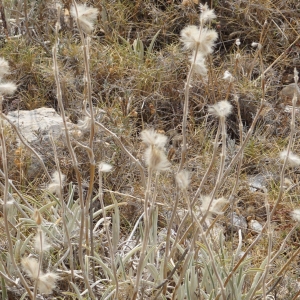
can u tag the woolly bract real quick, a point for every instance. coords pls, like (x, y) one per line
(86, 17)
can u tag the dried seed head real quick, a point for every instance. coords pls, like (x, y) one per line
(7, 88)
(4, 67)
(151, 138)
(202, 39)
(156, 159)
(221, 109)
(295, 214)
(40, 242)
(199, 64)
(293, 160)
(228, 76)
(216, 205)
(56, 185)
(47, 282)
(183, 179)
(37, 217)
(31, 267)
(86, 17)
(104, 167)
(206, 13)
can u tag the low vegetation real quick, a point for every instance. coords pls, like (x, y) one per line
(176, 172)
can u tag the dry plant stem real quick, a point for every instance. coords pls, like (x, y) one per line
(243, 145)
(17, 192)
(5, 277)
(88, 86)
(146, 234)
(281, 190)
(26, 144)
(221, 167)
(5, 199)
(75, 165)
(183, 272)
(277, 201)
(169, 230)
(110, 246)
(63, 206)
(29, 33)
(186, 110)
(212, 258)
(40, 263)
(212, 162)
(181, 258)
(238, 172)
(120, 144)
(270, 238)
(279, 58)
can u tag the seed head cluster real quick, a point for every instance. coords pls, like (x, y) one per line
(200, 40)
(155, 156)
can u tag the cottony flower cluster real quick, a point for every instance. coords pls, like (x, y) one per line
(155, 156)
(200, 40)
(6, 88)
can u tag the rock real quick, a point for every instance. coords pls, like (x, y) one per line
(238, 222)
(37, 124)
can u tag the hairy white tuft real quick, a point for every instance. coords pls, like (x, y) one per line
(295, 214)
(201, 39)
(47, 282)
(183, 179)
(206, 13)
(216, 205)
(7, 88)
(156, 159)
(4, 67)
(228, 76)
(151, 138)
(55, 186)
(199, 64)
(40, 242)
(86, 17)
(104, 167)
(221, 109)
(31, 267)
(292, 159)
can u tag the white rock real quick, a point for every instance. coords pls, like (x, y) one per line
(37, 123)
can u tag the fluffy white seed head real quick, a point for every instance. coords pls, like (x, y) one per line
(293, 160)
(7, 88)
(206, 13)
(183, 179)
(47, 282)
(4, 67)
(40, 242)
(221, 109)
(201, 39)
(237, 42)
(104, 167)
(156, 159)
(199, 65)
(228, 76)
(215, 208)
(86, 17)
(31, 267)
(151, 138)
(295, 214)
(55, 186)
